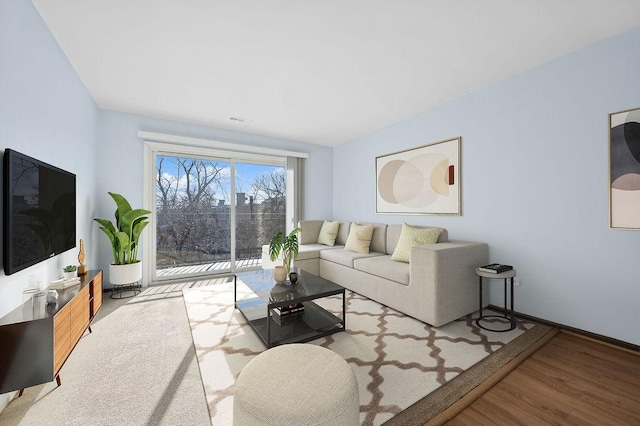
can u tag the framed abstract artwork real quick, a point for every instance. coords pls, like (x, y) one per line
(624, 169)
(422, 180)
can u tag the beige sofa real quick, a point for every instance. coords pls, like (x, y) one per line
(437, 286)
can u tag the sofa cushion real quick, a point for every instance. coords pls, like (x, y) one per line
(328, 233)
(384, 267)
(394, 231)
(379, 238)
(343, 233)
(412, 236)
(312, 251)
(345, 257)
(359, 238)
(310, 229)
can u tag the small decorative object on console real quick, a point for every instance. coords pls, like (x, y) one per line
(82, 269)
(52, 297)
(63, 283)
(495, 268)
(293, 277)
(70, 271)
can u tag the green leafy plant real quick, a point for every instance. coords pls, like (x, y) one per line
(287, 245)
(125, 234)
(70, 268)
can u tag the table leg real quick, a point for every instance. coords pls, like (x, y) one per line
(235, 299)
(480, 282)
(344, 311)
(505, 299)
(513, 318)
(268, 328)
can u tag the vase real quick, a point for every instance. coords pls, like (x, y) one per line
(280, 274)
(293, 277)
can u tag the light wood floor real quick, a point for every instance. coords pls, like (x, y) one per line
(570, 380)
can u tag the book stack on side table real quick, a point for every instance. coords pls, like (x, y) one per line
(287, 314)
(495, 268)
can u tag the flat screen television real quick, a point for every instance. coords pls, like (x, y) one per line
(39, 211)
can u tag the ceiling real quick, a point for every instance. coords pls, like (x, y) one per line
(322, 72)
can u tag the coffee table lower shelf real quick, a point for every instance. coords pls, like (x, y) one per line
(314, 323)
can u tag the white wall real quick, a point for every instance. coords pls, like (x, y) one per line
(534, 184)
(46, 113)
(124, 173)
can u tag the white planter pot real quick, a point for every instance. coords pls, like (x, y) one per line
(125, 274)
(279, 274)
(70, 275)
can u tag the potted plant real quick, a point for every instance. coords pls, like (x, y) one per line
(288, 246)
(70, 271)
(124, 237)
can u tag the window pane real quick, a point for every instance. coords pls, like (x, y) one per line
(260, 210)
(193, 219)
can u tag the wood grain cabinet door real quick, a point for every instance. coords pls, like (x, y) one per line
(61, 338)
(79, 315)
(97, 294)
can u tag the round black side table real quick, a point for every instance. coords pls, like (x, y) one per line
(508, 311)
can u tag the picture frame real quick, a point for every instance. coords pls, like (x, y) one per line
(424, 180)
(624, 169)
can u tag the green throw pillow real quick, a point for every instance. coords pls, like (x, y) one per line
(411, 236)
(328, 233)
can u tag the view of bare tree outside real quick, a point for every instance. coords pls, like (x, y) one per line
(193, 212)
(261, 213)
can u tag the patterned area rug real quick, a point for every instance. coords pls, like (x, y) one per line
(397, 359)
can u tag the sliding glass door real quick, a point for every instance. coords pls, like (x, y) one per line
(260, 210)
(213, 215)
(192, 215)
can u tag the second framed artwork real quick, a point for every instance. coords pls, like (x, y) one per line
(421, 180)
(624, 169)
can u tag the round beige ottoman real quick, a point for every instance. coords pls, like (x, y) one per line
(297, 384)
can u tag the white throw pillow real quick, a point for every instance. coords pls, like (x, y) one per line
(359, 238)
(328, 233)
(412, 236)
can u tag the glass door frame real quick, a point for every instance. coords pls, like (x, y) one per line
(152, 150)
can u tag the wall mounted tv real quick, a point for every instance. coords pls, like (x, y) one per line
(39, 211)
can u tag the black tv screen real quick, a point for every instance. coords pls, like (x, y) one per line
(39, 211)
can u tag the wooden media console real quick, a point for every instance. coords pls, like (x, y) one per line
(38, 338)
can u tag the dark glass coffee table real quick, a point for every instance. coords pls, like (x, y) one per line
(314, 322)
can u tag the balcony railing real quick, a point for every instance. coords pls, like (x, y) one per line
(200, 242)
(208, 268)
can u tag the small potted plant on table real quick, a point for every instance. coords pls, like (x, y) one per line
(70, 271)
(288, 246)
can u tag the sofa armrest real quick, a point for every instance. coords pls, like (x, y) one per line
(447, 273)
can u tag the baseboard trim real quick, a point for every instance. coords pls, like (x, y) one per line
(620, 344)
